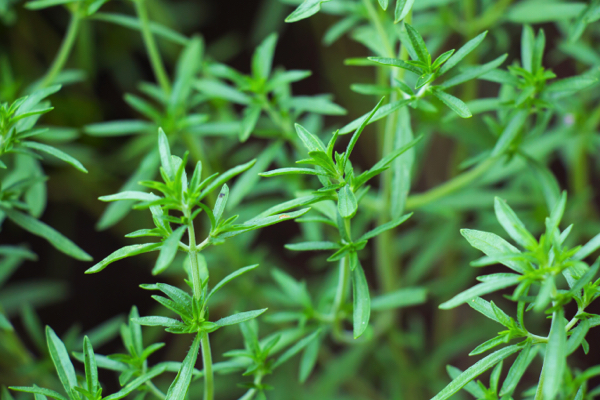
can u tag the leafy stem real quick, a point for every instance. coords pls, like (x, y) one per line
(155, 58)
(65, 48)
(209, 386)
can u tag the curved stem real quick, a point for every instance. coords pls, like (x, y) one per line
(65, 49)
(462, 180)
(155, 59)
(156, 391)
(209, 387)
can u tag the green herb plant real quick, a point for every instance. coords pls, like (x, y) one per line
(477, 109)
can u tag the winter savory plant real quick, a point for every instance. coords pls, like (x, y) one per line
(216, 165)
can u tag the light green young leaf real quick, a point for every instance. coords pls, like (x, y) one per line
(347, 204)
(168, 250)
(382, 228)
(249, 120)
(517, 370)
(493, 245)
(404, 297)
(481, 289)
(588, 248)
(228, 278)
(56, 153)
(38, 390)
(473, 72)
(157, 321)
(239, 317)
(530, 12)
(165, 153)
(382, 112)
(555, 359)
(475, 370)
(39, 228)
(310, 246)
(356, 135)
(418, 44)
(118, 128)
(41, 4)
(305, 10)
(262, 60)
(309, 359)
(311, 141)
(295, 349)
(218, 90)
(5, 323)
(454, 103)
(320, 104)
(180, 386)
(221, 179)
(513, 225)
(137, 382)
(62, 363)
(91, 369)
(403, 158)
(394, 62)
(510, 132)
(462, 53)
(130, 195)
(221, 203)
(124, 252)
(361, 301)
(403, 7)
(292, 171)
(384, 4)
(134, 23)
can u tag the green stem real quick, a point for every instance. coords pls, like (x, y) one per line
(423, 199)
(155, 59)
(209, 386)
(194, 267)
(156, 391)
(65, 49)
(376, 21)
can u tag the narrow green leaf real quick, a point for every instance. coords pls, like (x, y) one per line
(221, 203)
(361, 301)
(310, 246)
(319, 104)
(382, 112)
(473, 72)
(239, 317)
(134, 23)
(462, 53)
(91, 369)
(137, 382)
(356, 135)
(165, 153)
(347, 204)
(555, 359)
(384, 4)
(62, 363)
(454, 103)
(404, 297)
(588, 248)
(517, 370)
(311, 141)
(249, 120)
(39, 228)
(530, 12)
(309, 359)
(218, 90)
(475, 370)
(305, 10)
(38, 390)
(41, 4)
(394, 62)
(124, 252)
(382, 228)
(510, 132)
(130, 195)
(56, 153)
(262, 60)
(221, 179)
(481, 289)
(180, 386)
(403, 7)
(418, 44)
(295, 349)
(513, 225)
(493, 245)
(228, 278)
(158, 321)
(292, 171)
(168, 250)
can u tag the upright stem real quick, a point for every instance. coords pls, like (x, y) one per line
(209, 384)
(65, 49)
(155, 59)
(422, 199)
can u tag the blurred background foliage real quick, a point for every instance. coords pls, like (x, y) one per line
(110, 60)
